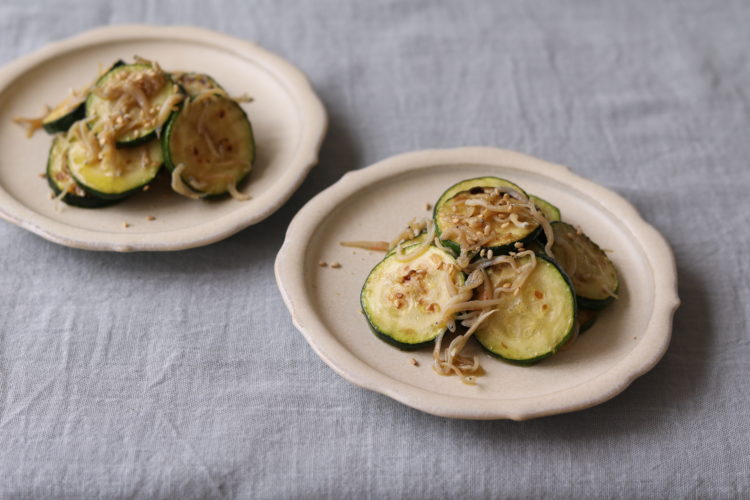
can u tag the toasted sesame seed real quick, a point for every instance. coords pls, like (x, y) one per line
(335, 264)
(428, 206)
(518, 244)
(125, 224)
(51, 196)
(490, 253)
(323, 263)
(150, 217)
(413, 362)
(43, 175)
(506, 285)
(146, 187)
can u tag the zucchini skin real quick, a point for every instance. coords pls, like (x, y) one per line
(565, 339)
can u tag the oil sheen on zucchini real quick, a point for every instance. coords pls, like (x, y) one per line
(403, 301)
(60, 180)
(212, 141)
(136, 92)
(124, 172)
(534, 323)
(454, 211)
(592, 273)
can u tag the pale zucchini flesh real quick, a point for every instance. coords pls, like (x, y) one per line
(127, 170)
(213, 141)
(404, 301)
(535, 322)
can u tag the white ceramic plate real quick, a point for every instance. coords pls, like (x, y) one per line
(375, 203)
(288, 119)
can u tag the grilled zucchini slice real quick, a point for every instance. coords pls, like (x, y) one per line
(195, 83)
(118, 175)
(535, 322)
(403, 301)
(593, 275)
(136, 98)
(211, 141)
(468, 184)
(65, 114)
(60, 180)
(550, 212)
(456, 212)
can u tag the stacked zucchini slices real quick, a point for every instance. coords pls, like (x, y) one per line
(499, 264)
(112, 139)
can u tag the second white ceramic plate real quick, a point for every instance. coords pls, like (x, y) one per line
(288, 120)
(376, 202)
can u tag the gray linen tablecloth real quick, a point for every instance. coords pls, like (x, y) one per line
(180, 375)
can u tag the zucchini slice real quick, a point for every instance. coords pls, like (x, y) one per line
(133, 101)
(411, 242)
(65, 114)
(550, 212)
(195, 83)
(403, 301)
(586, 319)
(456, 213)
(118, 175)
(592, 273)
(535, 322)
(70, 110)
(468, 184)
(60, 180)
(211, 141)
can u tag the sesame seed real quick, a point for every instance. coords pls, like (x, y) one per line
(335, 264)
(490, 253)
(413, 362)
(150, 217)
(505, 224)
(323, 263)
(42, 175)
(146, 187)
(428, 206)
(125, 224)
